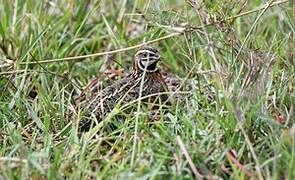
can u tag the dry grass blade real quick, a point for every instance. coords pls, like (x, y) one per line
(103, 53)
(230, 156)
(151, 41)
(252, 28)
(13, 159)
(188, 158)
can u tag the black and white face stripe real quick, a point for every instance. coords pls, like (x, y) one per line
(148, 54)
(150, 66)
(148, 58)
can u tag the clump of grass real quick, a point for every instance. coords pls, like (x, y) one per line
(238, 122)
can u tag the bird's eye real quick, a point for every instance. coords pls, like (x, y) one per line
(145, 55)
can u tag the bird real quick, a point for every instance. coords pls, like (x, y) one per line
(144, 80)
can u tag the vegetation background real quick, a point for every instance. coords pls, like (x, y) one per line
(237, 124)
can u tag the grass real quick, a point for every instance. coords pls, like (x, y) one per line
(237, 124)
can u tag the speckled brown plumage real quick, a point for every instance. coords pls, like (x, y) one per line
(129, 88)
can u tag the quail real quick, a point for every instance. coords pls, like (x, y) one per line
(145, 80)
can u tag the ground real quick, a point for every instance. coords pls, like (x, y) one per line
(237, 123)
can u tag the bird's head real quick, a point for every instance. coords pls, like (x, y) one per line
(146, 59)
